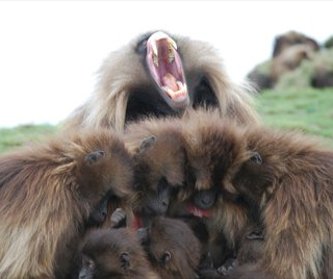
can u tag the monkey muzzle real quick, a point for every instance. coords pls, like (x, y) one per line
(197, 211)
(166, 68)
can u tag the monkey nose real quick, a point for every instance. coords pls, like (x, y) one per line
(206, 199)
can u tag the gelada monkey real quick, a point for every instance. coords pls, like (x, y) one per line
(50, 193)
(159, 74)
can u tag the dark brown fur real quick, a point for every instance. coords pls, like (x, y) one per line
(172, 248)
(48, 192)
(185, 154)
(284, 181)
(115, 253)
(159, 163)
(292, 186)
(126, 91)
(212, 149)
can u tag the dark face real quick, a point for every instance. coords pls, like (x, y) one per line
(110, 253)
(105, 176)
(173, 88)
(160, 171)
(253, 178)
(205, 199)
(172, 248)
(211, 157)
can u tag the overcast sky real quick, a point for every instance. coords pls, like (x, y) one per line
(51, 50)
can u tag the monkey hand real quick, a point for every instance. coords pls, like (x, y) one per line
(228, 266)
(118, 218)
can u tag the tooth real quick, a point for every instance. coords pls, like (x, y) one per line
(180, 85)
(172, 43)
(153, 45)
(168, 90)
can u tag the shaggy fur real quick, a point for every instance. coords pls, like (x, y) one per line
(282, 180)
(116, 254)
(173, 249)
(123, 79)
(159, 162)
(292, 187)
(213, 148)
(47, 193)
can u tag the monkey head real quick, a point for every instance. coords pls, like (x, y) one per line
(160, 160)
(213, 148)
(104, 174)
(112, 253)
(159, 75)
(174, 80)
(172, 248)
(272, 158)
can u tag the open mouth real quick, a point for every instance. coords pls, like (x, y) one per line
(198, 212)
(166, 68)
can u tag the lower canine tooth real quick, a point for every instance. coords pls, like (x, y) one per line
(180, 85)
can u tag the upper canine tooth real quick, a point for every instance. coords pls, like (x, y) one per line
(155, 51)
(172, 43)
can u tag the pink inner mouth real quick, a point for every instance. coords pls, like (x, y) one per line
(137, 222)
(166, 68)
(196, 211)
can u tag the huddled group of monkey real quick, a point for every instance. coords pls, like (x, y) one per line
(167, 172)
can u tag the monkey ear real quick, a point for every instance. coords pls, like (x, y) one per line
(147, 143)
(166, 257)
(124, 260)
(93, 157)
(256, 158)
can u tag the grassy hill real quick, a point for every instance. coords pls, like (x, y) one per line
(309, 110)
(13, 137)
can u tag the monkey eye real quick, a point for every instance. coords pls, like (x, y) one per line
(166, 257)
(93, 157)
(256, 158)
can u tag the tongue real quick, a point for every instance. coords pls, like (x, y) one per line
(137, 222)
(198, 212)
(170, 81)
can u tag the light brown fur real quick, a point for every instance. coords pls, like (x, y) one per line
(292, 38)
(123, 71)
(47, 193)
(289, 60)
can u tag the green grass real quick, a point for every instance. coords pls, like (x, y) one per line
(309, 110)
(13, 137)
